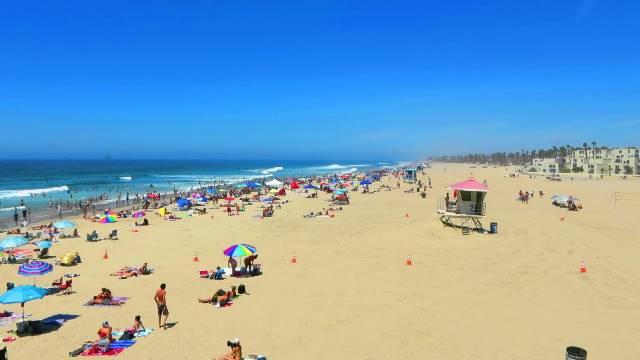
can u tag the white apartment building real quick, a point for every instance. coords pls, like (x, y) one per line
(548, 165)
(599, 161)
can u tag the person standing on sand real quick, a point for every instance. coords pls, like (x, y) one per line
(161, 301)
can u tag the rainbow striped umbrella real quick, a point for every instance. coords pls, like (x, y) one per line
(107, 218)
(239, 250)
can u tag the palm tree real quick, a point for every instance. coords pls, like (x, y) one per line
(593, 148)
(585, 146)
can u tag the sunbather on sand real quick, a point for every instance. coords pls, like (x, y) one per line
(236, 351)
(127, 272)
(131, 332)
(104, 298)
(105, 337)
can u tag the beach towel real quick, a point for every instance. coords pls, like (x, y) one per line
(115, 301)
(7, 320)
(96, 352)
(145, 332)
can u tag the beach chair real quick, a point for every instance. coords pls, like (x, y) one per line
(204, 274)
(113, 235)
(66, 288)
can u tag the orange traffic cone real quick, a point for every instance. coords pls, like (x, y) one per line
(293, 259)
(105, 256)
(408, 261)
(583, 267)
(195, 258)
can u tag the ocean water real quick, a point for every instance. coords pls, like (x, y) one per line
(38, 182)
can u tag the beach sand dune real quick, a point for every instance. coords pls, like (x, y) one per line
(514, 295)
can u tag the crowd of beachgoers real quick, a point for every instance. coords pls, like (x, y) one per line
(28, 246)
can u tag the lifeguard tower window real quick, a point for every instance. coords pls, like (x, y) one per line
(465, 195)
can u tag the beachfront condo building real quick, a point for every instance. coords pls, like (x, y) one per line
(621, 161)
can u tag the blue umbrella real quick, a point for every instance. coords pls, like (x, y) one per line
(11, 242)
(64, 224)
(182, 202)
(22, 294)
(365, 182)
(212, 191)
(340, 191)
(309, 186)
(203, 199)
(253, 184)
(45, 244)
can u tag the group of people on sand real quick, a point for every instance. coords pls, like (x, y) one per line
(105, 334)
(248, 264)
(103, 298)
(220, 298)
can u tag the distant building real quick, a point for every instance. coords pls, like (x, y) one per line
(548, 165)
(624, 161)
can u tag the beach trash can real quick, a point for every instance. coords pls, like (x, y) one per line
(493, 228)
(576, 353)
(10, 286)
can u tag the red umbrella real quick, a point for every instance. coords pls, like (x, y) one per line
(229, 198)
(153, 196)
(294, 185)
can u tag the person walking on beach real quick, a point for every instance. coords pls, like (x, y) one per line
(59, 210)
(161, 302)
(15, 216)
(24, 214)
(429, 182)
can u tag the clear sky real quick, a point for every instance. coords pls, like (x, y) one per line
(315, 79)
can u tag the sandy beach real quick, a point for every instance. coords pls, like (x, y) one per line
(517, 294)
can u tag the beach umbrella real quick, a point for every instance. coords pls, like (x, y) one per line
(309, 186)
(239, 250)
(203, 199)
(107, 219)
(229, 198)
(23, 294)
(365, 182)
(274, 182)
(138, 214)
(11, 242)
(64, 224)
(212, 191)
(44, 244)
(35, 268)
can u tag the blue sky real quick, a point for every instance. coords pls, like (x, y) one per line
(315, 79)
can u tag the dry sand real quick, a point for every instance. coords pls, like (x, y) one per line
(514, 295)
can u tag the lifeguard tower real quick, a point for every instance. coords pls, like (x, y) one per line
(465, 205)
(410, 175)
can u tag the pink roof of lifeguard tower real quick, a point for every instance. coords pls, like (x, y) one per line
(470, 184)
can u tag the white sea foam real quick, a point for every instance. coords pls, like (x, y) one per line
(12, 208)
(126, 178)
(272, 170)
(5, 194)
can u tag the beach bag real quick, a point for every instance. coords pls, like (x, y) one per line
(241, 289)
